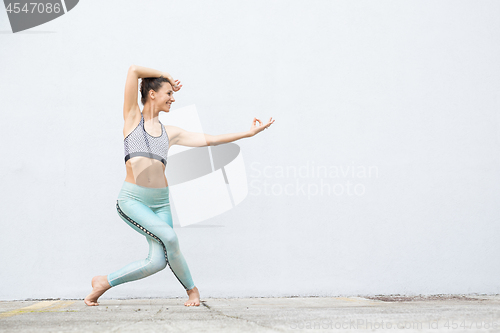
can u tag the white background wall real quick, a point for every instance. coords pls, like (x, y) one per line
(409, 88)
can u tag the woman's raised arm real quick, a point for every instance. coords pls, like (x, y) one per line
(131, 87)
(149, 72)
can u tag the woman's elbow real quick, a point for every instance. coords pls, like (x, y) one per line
(211, 140)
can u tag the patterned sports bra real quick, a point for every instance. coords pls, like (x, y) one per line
(141, 143)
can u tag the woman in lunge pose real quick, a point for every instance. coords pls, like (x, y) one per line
(143, 201)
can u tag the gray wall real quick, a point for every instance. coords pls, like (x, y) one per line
(406, 90)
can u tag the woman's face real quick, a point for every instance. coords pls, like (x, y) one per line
(164, 97)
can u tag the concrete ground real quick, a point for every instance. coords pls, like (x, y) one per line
(442, 313)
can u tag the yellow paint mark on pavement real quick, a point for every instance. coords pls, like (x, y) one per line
(59, 305)
(42, 306)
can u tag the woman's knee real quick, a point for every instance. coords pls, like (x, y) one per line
(156, 257)
(156, 264)
(171, 241)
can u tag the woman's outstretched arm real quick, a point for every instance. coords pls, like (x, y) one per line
(254, 129)
(194, 139)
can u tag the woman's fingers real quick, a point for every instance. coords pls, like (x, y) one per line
(269, 122)
(177, 85)
(262, 126)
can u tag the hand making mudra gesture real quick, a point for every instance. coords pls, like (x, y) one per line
(257, 128)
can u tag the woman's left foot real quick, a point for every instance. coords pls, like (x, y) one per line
(99, 285)
(194, 297)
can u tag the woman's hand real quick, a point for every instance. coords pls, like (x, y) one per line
(257, 128)
(177, 85)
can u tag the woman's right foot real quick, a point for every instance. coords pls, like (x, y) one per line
(99, 285)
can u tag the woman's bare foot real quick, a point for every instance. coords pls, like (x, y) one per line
(194, 297)
(99, 286)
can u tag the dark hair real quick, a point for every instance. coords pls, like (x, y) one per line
(148, 83)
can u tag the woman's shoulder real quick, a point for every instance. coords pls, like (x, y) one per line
(172, 131)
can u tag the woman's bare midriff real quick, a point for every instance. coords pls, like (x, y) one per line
(155, 179)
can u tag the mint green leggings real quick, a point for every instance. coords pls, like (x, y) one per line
(147, 211)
